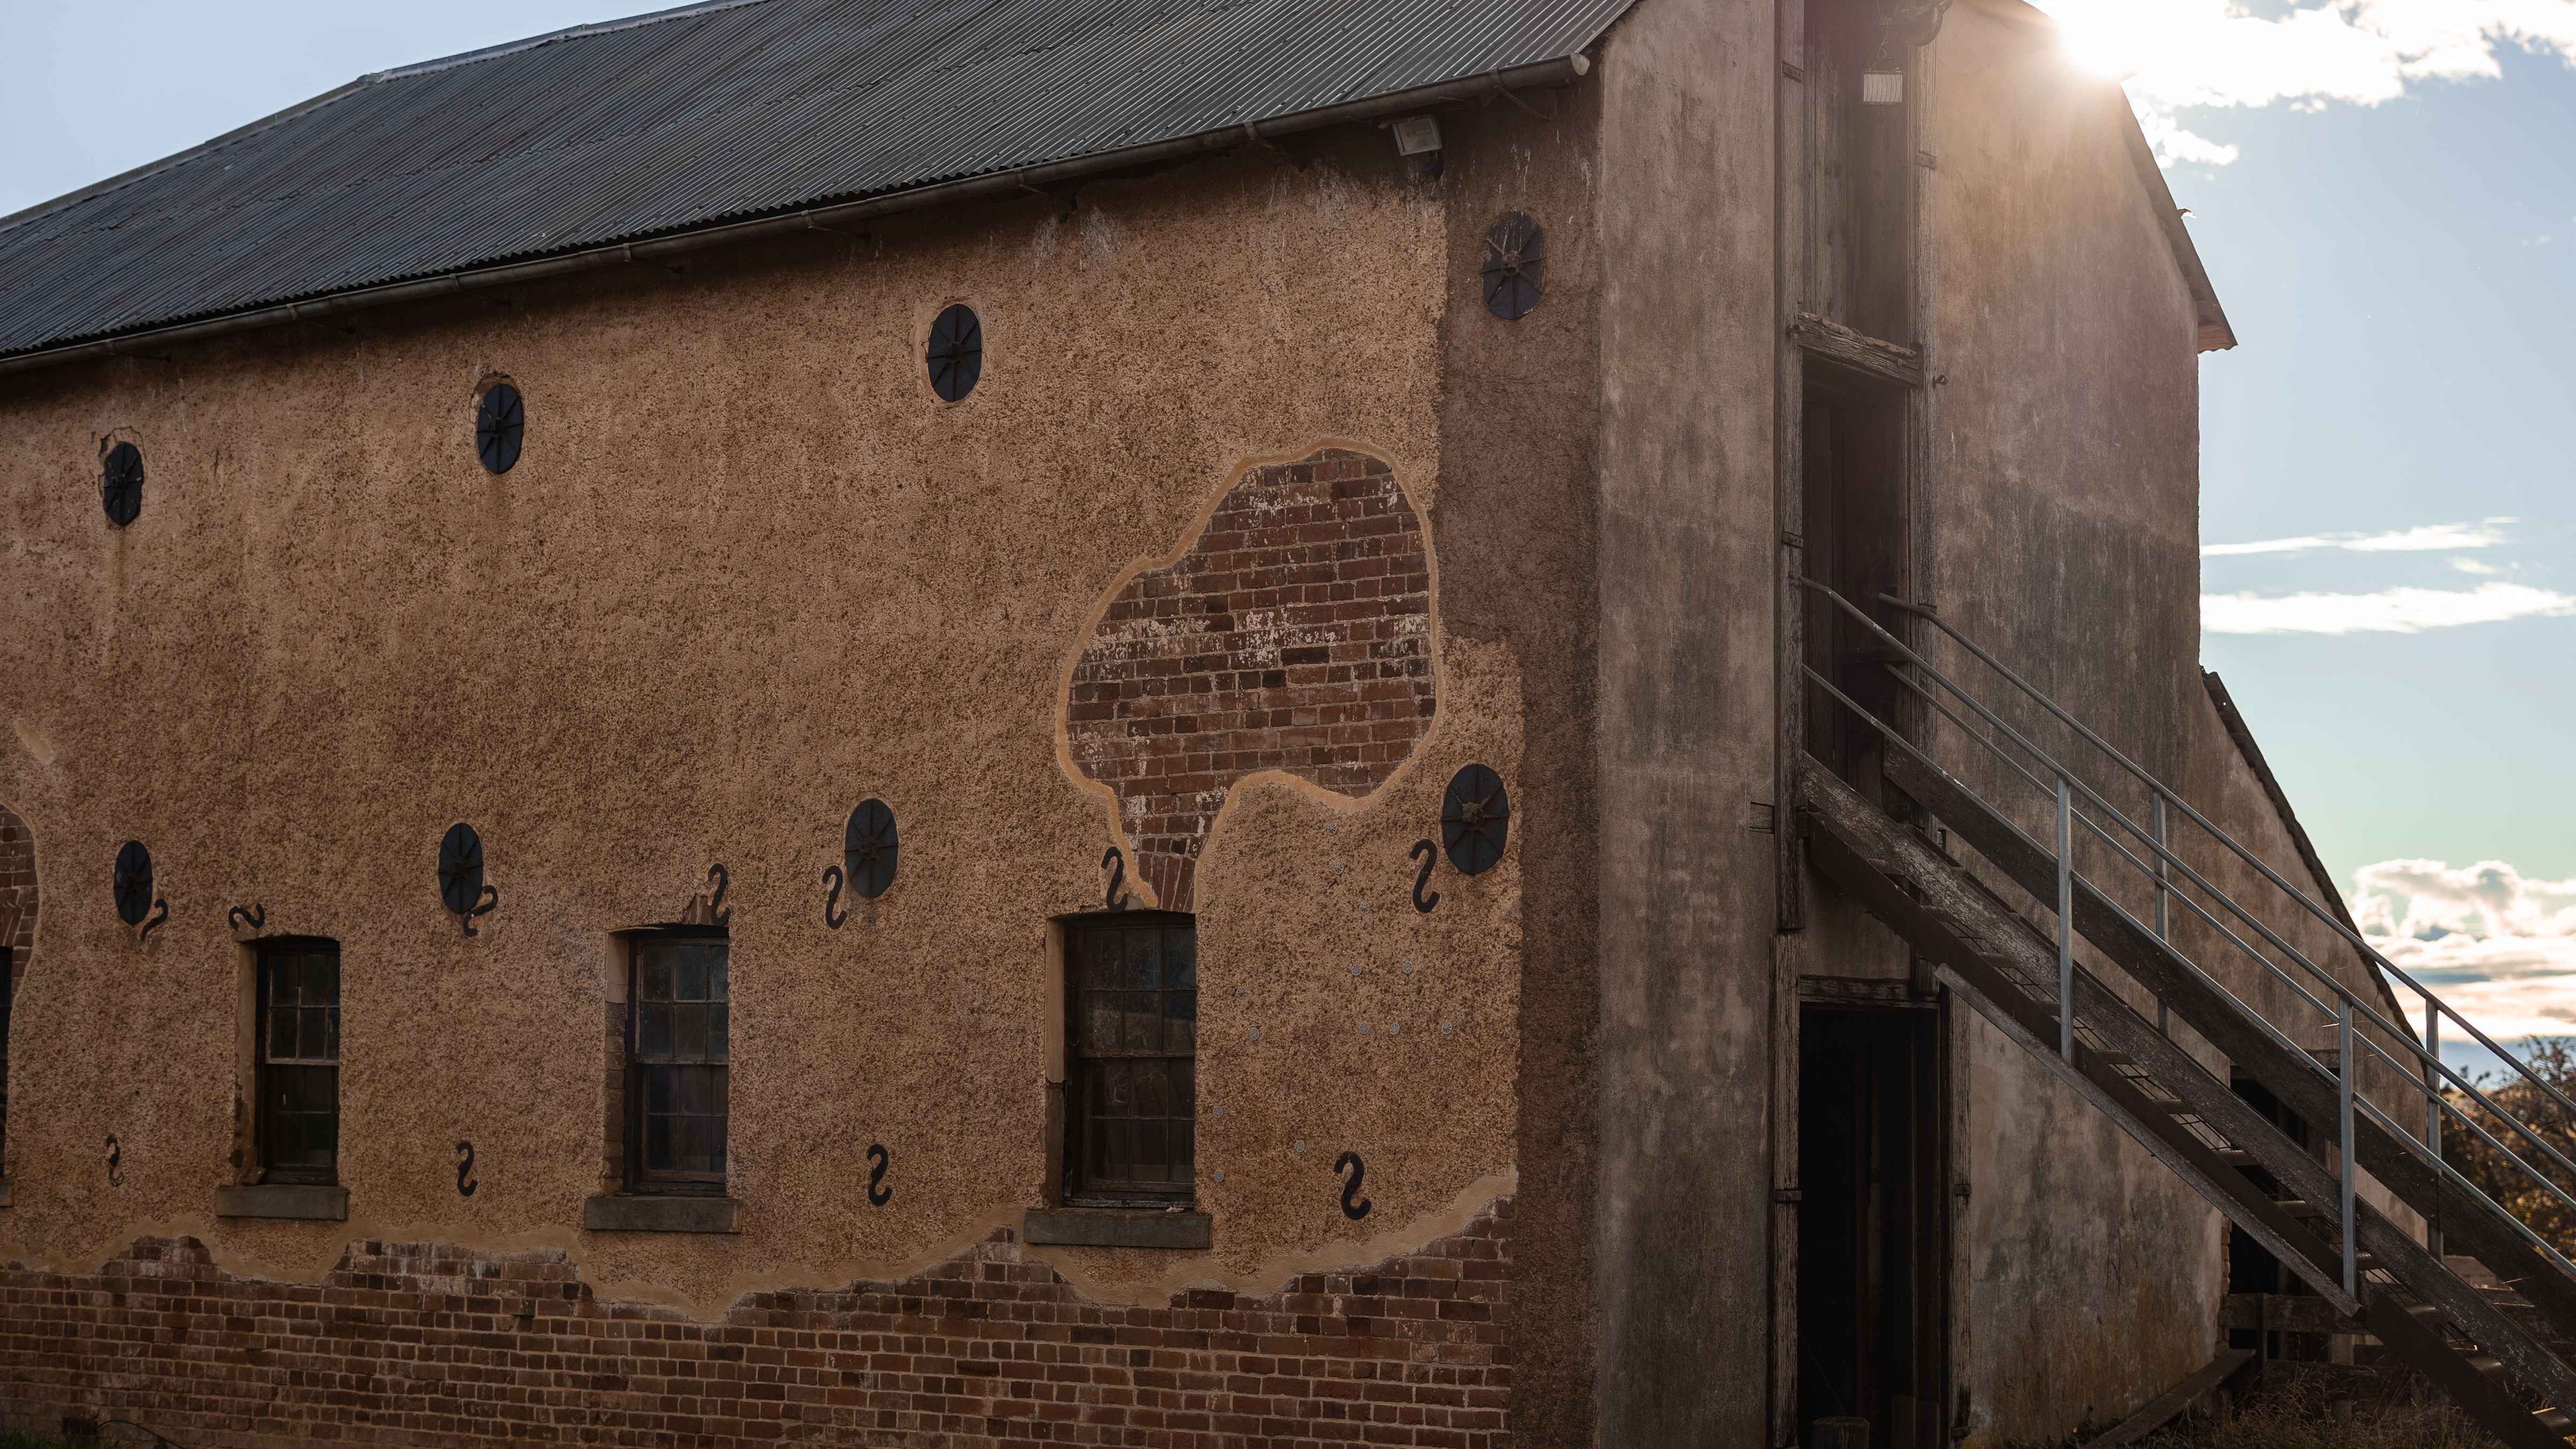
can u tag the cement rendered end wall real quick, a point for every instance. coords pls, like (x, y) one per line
(749, 572)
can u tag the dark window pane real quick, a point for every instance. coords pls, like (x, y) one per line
(657, 1144)
(323, 984)
(653, 1032)
(692, 982)
(281, 1031)
(655, 970)
(1144, 1021)
(1185, 1074)
(688, 1033)
(1099, 1022)
(719, 1032)
(1149, 1150)
(719, 988)
(309, 1034)
(1180, 1018)
(1142, 971)
(1181, 960)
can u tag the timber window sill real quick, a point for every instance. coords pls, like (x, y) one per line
(1116, 1228)
(642, 1213)
(288, 1201)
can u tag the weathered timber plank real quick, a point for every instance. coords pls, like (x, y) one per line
(2160, 1410)
(1887, 361)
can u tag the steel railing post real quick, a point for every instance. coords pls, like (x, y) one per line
(2164, 903)
(2345, 1070)
(2433, 1114)
(2065, 922)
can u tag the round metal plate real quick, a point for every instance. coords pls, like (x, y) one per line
(1475, 820)
(460, 869)
(956, 352)
(870, 847)
(500, 423)
(1515, 258)
(120, 486)
(133, 883)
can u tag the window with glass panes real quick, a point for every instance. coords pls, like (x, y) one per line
(676, 1059)
(299, 1061)
(1131, 1057)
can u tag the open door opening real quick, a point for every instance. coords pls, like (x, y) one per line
(1857, 542)
(1873, 1320)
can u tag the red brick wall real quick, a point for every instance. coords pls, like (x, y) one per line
(406, 1343)
(1293, 635)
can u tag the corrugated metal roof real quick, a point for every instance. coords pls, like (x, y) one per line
(704, 115)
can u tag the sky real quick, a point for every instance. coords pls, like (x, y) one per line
(2384, 192)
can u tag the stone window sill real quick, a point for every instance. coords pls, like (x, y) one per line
(644, 1214)
(293, 1202)
(1116, 1228)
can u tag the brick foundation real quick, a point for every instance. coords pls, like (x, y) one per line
(406, 1343)
(1294, 634)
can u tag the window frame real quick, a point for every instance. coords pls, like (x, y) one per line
(265, 1127)
(1079, 1187)
(636, 1178)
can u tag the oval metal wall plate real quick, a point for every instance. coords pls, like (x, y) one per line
(956, 355)
(460, 869)
(1515, 260)
(1475, 820)
(120, 484)
(500, 424)
(869, 848)
(133, 882)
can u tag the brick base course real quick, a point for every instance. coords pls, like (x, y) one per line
(407, 1343)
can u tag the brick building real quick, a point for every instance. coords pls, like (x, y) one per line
(817, 722)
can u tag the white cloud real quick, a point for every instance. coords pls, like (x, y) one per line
(2429, 538)
(2389, 611)
(2499, 946)
(2179, 53)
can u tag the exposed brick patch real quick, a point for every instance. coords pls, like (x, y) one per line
(1295, 634)
(408, 1343)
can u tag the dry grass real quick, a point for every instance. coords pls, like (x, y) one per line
(2302, 1416)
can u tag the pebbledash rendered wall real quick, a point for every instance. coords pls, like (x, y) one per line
(749, 572)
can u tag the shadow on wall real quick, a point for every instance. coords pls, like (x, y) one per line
(17, 940)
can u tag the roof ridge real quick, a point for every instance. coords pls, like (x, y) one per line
(277, 117)
(569, 32)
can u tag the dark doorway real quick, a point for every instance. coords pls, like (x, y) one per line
(1872, 1223)
(1856, 544)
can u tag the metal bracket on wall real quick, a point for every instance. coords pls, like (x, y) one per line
(1428, 853)
(253, 917)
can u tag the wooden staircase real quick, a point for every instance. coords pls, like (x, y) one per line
(2487, 1334)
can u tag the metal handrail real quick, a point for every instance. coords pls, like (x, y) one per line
(2428, 1060)
(2349, 1009)
(2165, 793)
